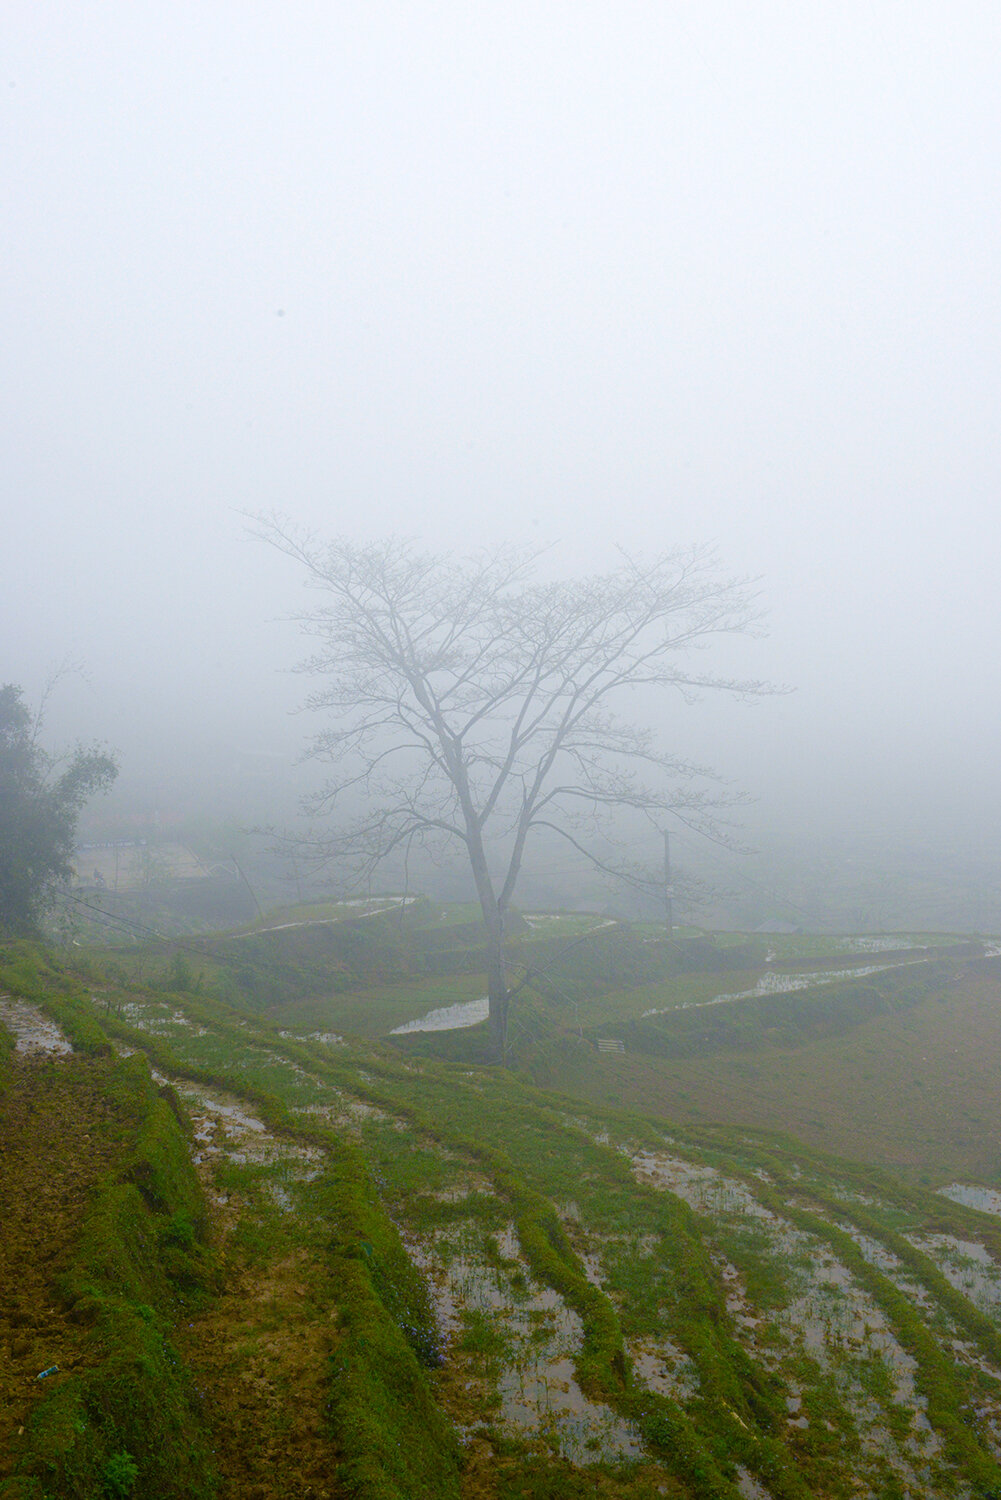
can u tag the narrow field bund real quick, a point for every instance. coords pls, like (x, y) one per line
(104, 1247)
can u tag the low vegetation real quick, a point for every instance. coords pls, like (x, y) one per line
(296, 1259)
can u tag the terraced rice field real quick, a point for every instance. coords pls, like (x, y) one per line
(595, 1302)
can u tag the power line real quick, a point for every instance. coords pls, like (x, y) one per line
(112, 919)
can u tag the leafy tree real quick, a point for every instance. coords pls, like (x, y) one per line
(40, 802)
(470, 704)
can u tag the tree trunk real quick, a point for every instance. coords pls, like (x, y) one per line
(493, 921)
(497, 991)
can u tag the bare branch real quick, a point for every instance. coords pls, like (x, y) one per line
(472, 703)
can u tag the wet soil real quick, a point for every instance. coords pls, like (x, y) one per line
(58, 1136)
(260, 1353)
(34, 1034)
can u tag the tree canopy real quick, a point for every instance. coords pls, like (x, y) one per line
(40, 803)
(468, 702)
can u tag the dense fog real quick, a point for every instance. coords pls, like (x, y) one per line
(578, 277)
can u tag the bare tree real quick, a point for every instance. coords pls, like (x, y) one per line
(470, 703)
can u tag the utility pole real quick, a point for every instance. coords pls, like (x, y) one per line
(668, 887)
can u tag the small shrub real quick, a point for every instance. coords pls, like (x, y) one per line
(120, 1474)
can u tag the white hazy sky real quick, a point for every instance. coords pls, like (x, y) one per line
(632, 274)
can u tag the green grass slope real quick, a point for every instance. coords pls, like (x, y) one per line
(424, 1277)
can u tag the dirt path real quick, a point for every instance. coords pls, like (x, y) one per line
(260, 1357)
(260, 1353)
(58, 1136)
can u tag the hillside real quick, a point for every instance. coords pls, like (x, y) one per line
(271, 1254)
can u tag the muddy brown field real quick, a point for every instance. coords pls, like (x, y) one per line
(58, 1136)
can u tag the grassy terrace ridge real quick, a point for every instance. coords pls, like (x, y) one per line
(501, 1289)
(104, 1250)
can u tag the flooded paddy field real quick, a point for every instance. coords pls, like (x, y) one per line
(33, 1033)
(566, 1290)
(812, 1324)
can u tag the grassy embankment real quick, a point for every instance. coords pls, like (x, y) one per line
(103, 1248)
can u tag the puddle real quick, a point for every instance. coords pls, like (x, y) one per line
(702, 1188)
(460, 1279)
(794, 1406)
(988, 1200)
(543, 919)
(537, 1387)
(827, 1316)
(833, 1313)
(356, 907)
(845, 1194)
(968, 1266)
(840, 1327)
(666, 1369)
(884, 1260)
(461, 1191)
(781, 984)
(749, 1487)
(223, 1106)
(224, 1127)
(543, 1395)
(325, 1038)
(281, 1197)
(447, 1018)
(156, 1020)
(122, 1049)
(539, 1390)
(347, 1113)
(891, 944)
(593, 1270)
(34, 1034)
